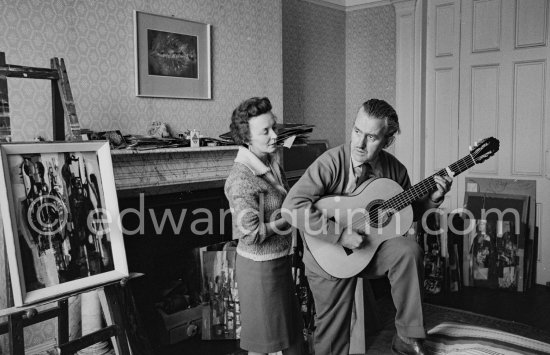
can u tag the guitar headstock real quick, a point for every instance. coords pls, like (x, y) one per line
(485, 149)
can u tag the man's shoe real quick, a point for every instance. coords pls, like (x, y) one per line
(412, 347)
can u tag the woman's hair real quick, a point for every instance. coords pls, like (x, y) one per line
(255, 106)
(382, 110)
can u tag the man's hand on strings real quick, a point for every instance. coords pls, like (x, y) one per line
(443, 184)
(351, 239)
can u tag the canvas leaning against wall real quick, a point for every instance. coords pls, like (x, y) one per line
(221, 311)
(494, 248)
(61, 219)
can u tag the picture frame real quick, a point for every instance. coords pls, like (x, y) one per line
(172, 57)
(482, 253)
(221, 313)
(433, 242)
(477, 201)
(61, 219)
(496, 243)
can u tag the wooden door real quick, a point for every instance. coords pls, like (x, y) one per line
(504, 92)
(487, 75)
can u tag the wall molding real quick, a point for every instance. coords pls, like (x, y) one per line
(349, 5)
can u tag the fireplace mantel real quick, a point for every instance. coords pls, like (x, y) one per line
(158, 171)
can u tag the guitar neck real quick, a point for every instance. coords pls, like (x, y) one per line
(417, 191)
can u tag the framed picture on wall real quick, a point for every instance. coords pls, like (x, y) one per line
(172, 57)
(61, 219)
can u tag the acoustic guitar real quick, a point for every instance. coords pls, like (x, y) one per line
(380, 209)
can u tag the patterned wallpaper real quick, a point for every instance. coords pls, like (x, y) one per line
(332, 62)
(96, 39)
(370, 58)
(314, 68)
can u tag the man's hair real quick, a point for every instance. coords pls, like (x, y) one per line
(384, 111)
(255, 106)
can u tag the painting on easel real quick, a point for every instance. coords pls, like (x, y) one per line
(61, 219)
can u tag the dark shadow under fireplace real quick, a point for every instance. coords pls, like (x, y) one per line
(163, 234)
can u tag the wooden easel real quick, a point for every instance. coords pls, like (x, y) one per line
(110, 295)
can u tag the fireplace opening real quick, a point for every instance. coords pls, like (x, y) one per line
(163, 236)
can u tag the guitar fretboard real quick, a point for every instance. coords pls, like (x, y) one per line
(419, 190)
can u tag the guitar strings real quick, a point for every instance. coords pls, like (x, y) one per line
(404, 198)
(401, 200)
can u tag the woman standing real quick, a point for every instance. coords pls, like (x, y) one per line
(256, 188)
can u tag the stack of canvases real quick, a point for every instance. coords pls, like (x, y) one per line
(486, 245)
(496, 248)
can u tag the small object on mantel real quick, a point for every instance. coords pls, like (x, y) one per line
(159, 129)
(194, 138)
(115, 138)
(213, 142)
(287, 143)
(85, 133)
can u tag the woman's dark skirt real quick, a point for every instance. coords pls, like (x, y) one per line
(270, 316)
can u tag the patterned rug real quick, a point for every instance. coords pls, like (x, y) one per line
(451, 328)
(456, 332)
(455, 339)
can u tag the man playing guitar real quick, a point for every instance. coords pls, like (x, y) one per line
(341, 171)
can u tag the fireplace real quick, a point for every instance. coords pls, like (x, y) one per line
(172, 204)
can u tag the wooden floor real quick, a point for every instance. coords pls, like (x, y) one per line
(531, 307)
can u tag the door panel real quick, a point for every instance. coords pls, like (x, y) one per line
(445, 29)
(486, 26)
(442, 79)
(528, 118)
(441, 155)
(531, 25)
(484, 115)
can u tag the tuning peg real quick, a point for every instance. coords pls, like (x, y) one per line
(472, 147)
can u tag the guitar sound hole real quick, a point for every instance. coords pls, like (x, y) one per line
(378, 218)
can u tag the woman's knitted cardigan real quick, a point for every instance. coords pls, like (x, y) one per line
(255, 201)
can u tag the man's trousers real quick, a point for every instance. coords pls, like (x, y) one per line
(401, 260)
